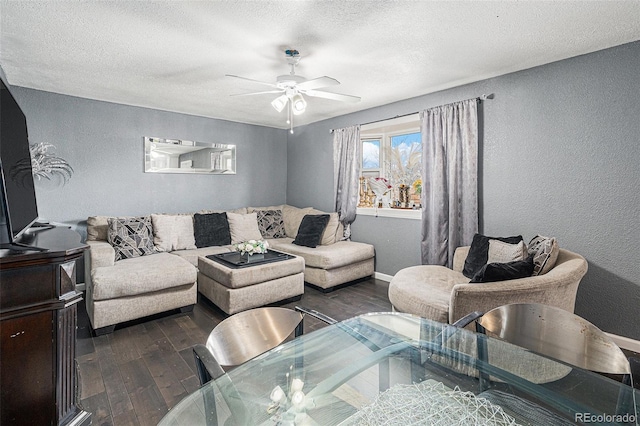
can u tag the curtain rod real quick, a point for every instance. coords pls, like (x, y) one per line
(482, 97)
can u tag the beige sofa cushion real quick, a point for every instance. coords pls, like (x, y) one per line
(173, 232)
(253, 209)
(243, 227)
(97, 228)
(241, 210)
(192, 255)
(292, 217)
(332, 256)
(140, 275)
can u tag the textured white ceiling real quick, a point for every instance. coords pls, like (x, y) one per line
(173, 55)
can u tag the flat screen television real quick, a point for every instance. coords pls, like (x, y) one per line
(19, 208)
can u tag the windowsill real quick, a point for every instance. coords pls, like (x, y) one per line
(388, 212)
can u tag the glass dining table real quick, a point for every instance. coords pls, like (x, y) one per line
(399, 369)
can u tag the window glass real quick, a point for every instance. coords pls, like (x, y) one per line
(371, 154)
(405, 158)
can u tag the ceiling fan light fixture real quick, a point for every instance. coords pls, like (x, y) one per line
(279, 103)
(298, 104)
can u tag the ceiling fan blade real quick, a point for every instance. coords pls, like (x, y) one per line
(258, 93)
(250, 79)
(333, 96)
(316, 83)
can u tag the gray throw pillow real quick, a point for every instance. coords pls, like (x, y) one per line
(270, 223)
(545, 252)
(131, 236)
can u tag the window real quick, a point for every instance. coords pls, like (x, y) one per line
(392, 150)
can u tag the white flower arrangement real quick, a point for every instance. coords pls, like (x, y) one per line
(252, 247)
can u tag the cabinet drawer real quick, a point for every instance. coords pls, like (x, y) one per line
(27, 286)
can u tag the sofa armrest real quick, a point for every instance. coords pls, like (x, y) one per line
(459, 257)
(557, 287)
(101, 253)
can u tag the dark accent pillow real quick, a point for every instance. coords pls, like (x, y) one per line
(211, 229)
(492, 272)
(311, 229)
(130, 236)
(479, 252)
(270, 223)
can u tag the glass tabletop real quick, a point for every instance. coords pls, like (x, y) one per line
(391, 368)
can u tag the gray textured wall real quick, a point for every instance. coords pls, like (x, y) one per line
(559, 157)
(103, 143)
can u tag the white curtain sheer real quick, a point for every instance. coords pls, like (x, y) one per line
(347, 155)
(450, 180)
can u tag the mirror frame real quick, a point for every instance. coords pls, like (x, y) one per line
(177, 147)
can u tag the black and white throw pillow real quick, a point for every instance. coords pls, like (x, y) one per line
(270, 223)
(479, 252)
(131, 236)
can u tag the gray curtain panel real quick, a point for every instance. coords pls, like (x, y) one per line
(347, 156)
(450, 180)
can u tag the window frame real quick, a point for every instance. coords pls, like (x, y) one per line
(378, 132)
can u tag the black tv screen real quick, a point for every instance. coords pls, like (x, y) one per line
(17, 189)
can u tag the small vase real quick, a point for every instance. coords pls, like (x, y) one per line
(252, 257)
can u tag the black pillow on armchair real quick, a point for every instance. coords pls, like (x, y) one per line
(493, 272)
(479, 252)
(311, 229)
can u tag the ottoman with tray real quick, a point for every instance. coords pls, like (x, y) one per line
(235, 285)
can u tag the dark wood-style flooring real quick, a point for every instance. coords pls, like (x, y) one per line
(136, 374)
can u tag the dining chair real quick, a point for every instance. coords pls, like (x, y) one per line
(247, 334)
(557, 334)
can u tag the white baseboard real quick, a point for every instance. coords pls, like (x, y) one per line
(625, 342)
(382, 277)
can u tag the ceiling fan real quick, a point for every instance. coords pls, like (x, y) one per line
(292, 88)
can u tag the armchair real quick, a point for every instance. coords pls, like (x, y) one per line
(445, 295)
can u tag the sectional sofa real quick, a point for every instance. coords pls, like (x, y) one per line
(121, 287)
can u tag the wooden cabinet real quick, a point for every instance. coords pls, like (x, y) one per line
(38, 321)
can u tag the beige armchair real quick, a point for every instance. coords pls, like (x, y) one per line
(445, 295)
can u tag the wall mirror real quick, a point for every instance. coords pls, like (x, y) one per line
(180, 156)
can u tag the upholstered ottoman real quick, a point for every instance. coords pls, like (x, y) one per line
(234, 290)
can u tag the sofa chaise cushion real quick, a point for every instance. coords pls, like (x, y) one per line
(192, 255)
(141, 275)
(332, 256)
(425, 289)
